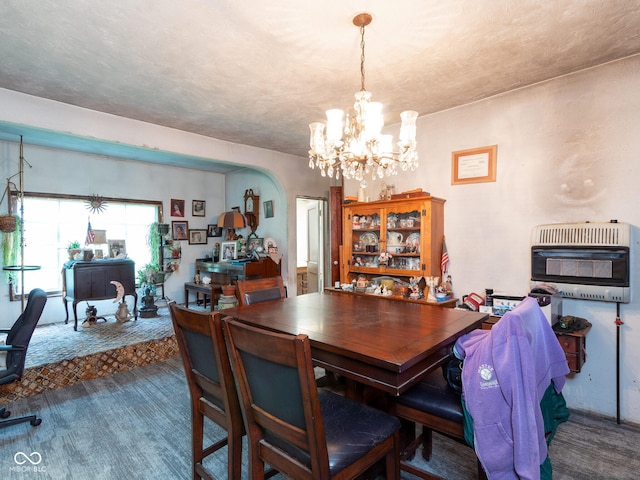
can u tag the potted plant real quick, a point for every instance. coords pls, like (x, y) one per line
(149, 276)
(11, 251)
(73, 248)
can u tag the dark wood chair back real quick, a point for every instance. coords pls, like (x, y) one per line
(260, 290)
(211, 386)
(289, 420)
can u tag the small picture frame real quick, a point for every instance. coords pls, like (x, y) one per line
(117, 249)
(197, 236)
(198, 208)
(177, 208)
(268, 209)
(254, 243)
(228, 251)
(99, 254)
(214, 231)
(179, 230)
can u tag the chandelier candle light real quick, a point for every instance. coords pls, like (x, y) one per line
(356, 146)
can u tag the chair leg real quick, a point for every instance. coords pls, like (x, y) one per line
(32, 419)
(427, 443)
(234, 456)
(197, 434)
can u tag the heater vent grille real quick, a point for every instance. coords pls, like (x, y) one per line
(583, 234)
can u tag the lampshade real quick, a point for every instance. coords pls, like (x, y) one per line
(232, 219)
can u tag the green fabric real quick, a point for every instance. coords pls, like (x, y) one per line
(554, 412)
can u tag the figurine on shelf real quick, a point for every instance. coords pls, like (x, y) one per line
(432, 282)
(384, 258)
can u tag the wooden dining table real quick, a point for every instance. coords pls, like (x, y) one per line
(386, 345)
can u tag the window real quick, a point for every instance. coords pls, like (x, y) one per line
(50, 224)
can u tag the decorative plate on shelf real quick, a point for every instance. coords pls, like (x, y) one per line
(413, 239)
(368, 238)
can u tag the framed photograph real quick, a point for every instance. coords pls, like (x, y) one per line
(117, 248)
(268, 209)
(177, 208)
(197, 236)
(179, 230)
(254, 243)
(214, 231)
(228, 251)
(198, 208)
(99, 253)
(476, 165)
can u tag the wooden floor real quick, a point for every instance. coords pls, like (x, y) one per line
(135, 424)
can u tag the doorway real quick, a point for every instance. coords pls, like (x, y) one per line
(311, 243)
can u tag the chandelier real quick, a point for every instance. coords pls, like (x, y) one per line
(355, 147)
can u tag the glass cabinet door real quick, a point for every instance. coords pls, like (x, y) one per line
(364, 240)
(403, 240)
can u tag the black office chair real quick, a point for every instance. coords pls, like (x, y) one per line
(17, 342)
(300, 430)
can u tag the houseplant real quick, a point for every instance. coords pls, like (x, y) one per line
(73, 247)
(149, 276)
(11, 250)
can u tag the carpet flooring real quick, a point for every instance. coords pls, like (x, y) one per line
(58, 341)
(136, 425)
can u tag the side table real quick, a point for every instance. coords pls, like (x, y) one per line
(206, 290)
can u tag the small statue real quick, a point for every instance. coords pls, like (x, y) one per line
(149, 308)
(123, 314)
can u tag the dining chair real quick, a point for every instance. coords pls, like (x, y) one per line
(436, 407)
(260, 290)
(13, 353)
(523, 369)
(300, 430)
(211, 387)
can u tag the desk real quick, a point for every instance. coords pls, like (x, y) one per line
(386, 345)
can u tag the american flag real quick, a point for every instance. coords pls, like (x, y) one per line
(90, 235)
(444, 260)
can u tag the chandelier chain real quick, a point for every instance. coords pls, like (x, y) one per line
(362, 88)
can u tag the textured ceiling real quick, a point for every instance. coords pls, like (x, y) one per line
(258, 72)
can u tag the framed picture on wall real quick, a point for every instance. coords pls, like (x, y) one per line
(177, 208)
(179, 230)
(198, 208)
(268, 209)
(197, 237)
(228, 251)
(214, 231)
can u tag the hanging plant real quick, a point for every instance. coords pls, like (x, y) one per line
(8, 222)
(11, 250)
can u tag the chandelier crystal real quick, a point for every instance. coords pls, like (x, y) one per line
(355, 147)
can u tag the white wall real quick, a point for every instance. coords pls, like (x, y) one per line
(62, 171)
(568, 151)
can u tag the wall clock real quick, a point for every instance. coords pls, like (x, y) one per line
(251, 209)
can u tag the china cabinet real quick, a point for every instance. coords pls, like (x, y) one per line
(398, 238)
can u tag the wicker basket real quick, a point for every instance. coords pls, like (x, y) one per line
(8, 223)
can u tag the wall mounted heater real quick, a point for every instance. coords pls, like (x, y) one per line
(585, 261)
